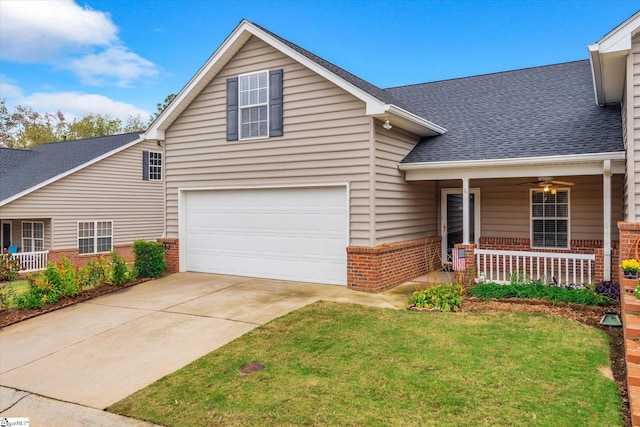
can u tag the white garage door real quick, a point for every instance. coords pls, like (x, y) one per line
(295, 234)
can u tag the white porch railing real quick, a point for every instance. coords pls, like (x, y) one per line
(31, 261)
(561, 268)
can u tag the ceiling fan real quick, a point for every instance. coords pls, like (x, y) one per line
(547, 182)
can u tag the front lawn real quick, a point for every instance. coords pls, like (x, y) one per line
(339, 364)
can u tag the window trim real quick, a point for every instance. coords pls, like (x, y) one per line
(32, 238)
(161, 166)
(94, 237)
(265, 104)
(532, 218)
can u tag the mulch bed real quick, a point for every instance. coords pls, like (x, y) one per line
(9, 317)
(587, 315)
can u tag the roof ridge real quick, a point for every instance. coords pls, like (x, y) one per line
(92, 137)
(487, 74)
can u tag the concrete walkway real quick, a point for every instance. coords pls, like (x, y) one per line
(65, 367)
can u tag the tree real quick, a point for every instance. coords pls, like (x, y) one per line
(26, 128)
(162, 106)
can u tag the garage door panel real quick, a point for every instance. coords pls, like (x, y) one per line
(289, 233)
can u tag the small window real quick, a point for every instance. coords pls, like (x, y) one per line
(95, 237)
(254, 105)
(32, 236)
(155, 166)
(550, 218)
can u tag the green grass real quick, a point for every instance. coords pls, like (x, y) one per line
(334, 364)
(18, 286)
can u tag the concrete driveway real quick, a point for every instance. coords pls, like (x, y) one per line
(98, 352)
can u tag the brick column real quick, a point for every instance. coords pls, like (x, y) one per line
(465, 277)
(171, 254)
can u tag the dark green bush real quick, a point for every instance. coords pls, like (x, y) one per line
(537, 290)
(148, 258)
(118, 270)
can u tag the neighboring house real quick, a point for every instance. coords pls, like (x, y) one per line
(80, 198)
(282, 165)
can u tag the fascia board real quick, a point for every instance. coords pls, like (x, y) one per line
(402, 113)
(198, 81)
(586, 164)
(619, 39)
(596, 72)
(69, 172)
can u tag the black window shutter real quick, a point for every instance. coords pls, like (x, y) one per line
(275, 103)
(232, 109)
(145, 165)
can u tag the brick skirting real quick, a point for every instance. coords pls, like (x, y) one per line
(630, 308)
(171, 254)
(378, 268)
(124, 251)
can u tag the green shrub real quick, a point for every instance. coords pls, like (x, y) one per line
(118, 272)
(148, 258)
(446, 297)
(9, 267)
(93, 273)
(538, 290)
(62, 277)
(7, 297)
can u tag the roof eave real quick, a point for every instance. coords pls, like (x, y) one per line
(577, 164)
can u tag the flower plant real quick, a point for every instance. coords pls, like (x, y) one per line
(630, 265)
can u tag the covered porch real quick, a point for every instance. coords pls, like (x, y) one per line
(547, 219)
(27, 240)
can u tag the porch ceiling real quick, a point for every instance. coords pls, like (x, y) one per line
(516, 168)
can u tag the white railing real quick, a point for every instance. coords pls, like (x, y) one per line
(31, 261)
(559, 268)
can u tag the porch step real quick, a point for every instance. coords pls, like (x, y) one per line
(632, 348)
(631, 324)
(633, 376)
(631, 303)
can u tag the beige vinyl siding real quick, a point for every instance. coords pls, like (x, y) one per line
(505, 207)
(633, 128)
(111, 189)
(403, 210)
(325, 141)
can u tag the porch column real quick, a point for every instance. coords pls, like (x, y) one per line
(465, 211)
(606, 201)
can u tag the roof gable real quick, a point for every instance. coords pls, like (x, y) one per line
(379, 103)
(24, 171)
(608, 58)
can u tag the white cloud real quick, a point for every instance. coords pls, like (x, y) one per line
(76, 104)
(8, 90)
(32, 31)
(114, 66)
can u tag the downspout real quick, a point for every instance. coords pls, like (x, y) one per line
(606, 196)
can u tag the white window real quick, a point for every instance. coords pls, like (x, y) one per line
(95, 236)
(550, 218)
(155, 166)
(32, 236)
(254, 108)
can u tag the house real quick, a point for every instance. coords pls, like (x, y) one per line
(282, 165)
(80, 198)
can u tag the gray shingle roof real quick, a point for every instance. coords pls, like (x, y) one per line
(24, 169)
(533, 112)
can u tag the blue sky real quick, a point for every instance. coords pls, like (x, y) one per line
(122, 57)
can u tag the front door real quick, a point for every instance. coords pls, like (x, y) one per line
(451, 219)
(6, 234)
